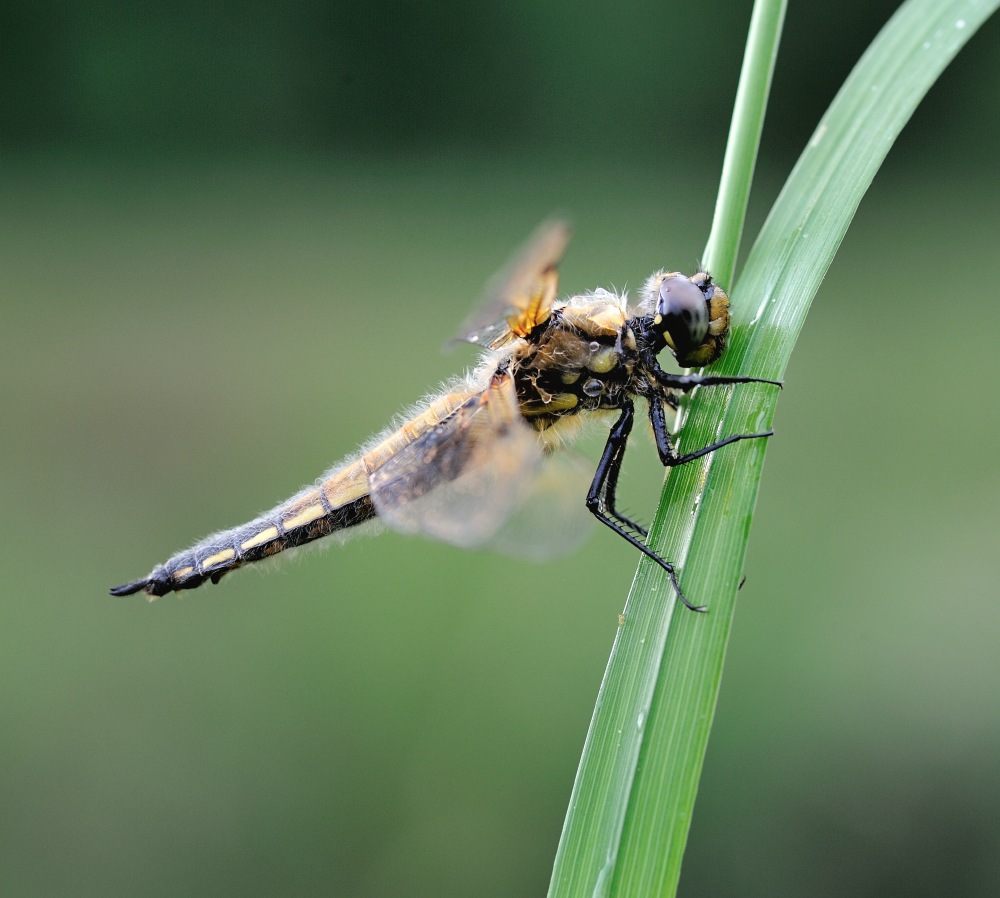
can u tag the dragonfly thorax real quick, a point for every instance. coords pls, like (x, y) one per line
(581, 359)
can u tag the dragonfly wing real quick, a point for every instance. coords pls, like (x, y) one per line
(461, 478)
(551, 520)
(521, 295)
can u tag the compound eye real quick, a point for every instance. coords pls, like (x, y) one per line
(681, 315)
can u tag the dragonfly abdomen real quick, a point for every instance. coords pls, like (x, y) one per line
(340, 502)
(304, 518)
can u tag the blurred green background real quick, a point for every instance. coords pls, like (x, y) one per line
(233, 240)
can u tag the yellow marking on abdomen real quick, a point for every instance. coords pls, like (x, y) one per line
(307, 515)
(351, 483)
(265, 536)
(218, 558)
(412, 429)
(346, 485)
(182, 572)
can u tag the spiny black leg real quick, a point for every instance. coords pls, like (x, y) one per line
(660, 432)
(687, 382)
(614, 466)
(610, 489)
(668, 455)
(607, 471)
(735, 438)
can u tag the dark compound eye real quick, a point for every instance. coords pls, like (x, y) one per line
(681, 314)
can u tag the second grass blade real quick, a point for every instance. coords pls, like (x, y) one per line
(646, 745)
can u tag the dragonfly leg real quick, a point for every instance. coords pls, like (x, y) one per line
(610, 491)
(598, 497)
(668, 455)
(687, 382)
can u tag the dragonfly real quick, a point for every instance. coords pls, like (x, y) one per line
(458, 465)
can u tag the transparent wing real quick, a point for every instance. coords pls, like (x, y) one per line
(551, 519)
(521, 295)
(460, 479)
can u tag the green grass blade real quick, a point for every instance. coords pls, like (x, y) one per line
(586, 858)
(632, 802)
(744, 138)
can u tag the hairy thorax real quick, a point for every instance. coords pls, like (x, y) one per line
(581, 360)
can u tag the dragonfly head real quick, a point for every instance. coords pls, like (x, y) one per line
(690, 315)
